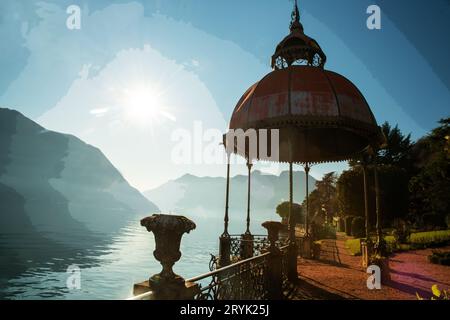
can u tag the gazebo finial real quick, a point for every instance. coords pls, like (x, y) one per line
(297, 48)
(295, 22)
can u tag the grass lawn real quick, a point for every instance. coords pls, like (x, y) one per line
(416, 240)
(354, 246)
(429, 238)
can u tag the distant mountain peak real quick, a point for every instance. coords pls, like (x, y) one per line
(191, 193)
(65, 182)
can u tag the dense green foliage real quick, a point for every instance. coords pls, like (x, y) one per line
(393, 184)
(322, 200)
(348, 224)
(418, 240)
(326, 231)
(358, 227)
(397, 151)
(283, 211)
(414, 192)
(440, 257)
(424, 239)
(430, 187)
(414, 181)
(354, 246)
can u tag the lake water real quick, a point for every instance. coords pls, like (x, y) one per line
(112, 270)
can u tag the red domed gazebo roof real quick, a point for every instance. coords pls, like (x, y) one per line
(304, 96)
(321, 115)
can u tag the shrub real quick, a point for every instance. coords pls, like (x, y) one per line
(401, 232)
(358, 226)
(326, 231)
(430, 238)
(392, 243)
(354, 246)
(403, 247)
(297, 212)
(348, 225)
(440, 257)
(341, 225)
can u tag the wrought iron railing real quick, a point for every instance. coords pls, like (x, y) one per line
(213, 262)
(253, 268)
(284, 266)
(244, 280)
(260, 244)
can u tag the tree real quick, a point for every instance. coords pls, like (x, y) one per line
(323, 198)
(358, 227)
(414, 179)
(283, 211)
(397, 151)
(430, 187)
(350, 195)
(395, 168)
(394, 197)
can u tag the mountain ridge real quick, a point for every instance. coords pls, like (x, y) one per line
(54, 185)
(189, 192)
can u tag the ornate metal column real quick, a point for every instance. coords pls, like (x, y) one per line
(247, 238)
(366, 200)
(292, 250)
(366, 245)
(380, 246)
(307, 168)
(291, 213)
(225, 240)
(307, 239)
(167, 285)
(249, 166)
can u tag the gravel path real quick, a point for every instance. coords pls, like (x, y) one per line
(338, 275)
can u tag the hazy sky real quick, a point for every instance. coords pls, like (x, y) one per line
(191, 61)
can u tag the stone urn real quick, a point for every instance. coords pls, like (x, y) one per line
(273, 230)
(168, 231)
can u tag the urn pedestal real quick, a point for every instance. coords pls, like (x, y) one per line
(274, 279)
(307, 247)
(246, 249)
(166, 285)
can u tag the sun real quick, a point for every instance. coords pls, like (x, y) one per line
(142, 105)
